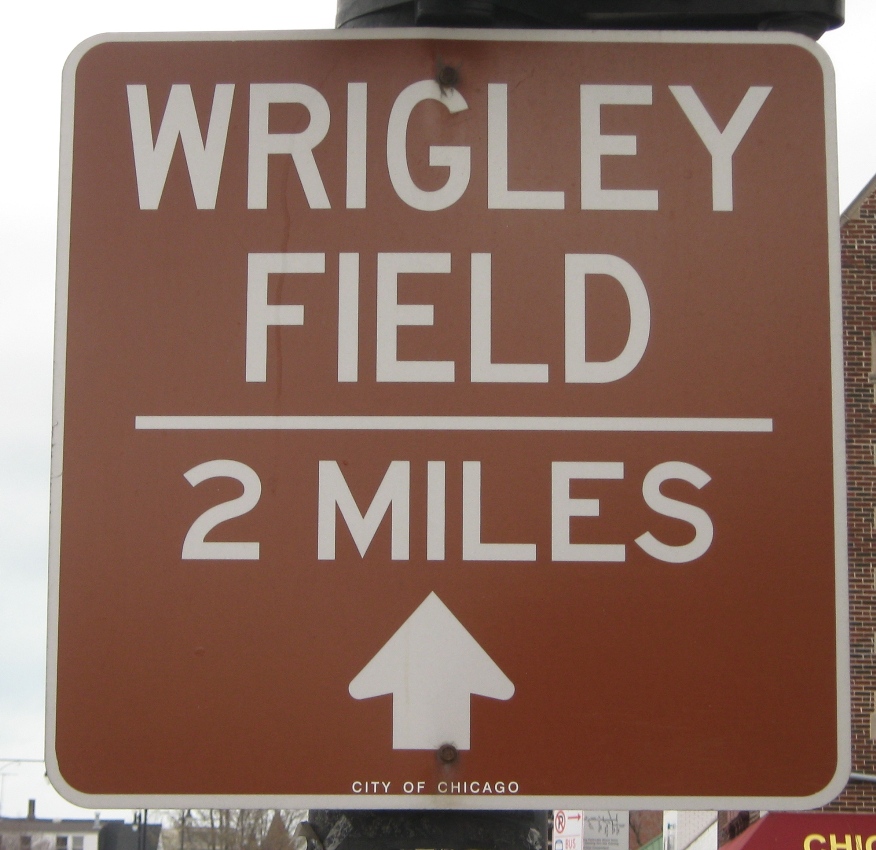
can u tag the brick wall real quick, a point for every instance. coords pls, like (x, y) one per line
(858, 241)
(732, 824)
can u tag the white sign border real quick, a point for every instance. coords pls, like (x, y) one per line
(470, 802)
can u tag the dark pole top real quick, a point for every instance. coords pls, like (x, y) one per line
(809, 17)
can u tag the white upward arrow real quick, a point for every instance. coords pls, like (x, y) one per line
(432, 666)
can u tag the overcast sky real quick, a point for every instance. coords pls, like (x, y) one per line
(37, 42)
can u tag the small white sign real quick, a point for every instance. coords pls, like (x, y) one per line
(606, 830)
(567, 829)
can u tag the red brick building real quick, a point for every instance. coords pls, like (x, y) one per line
(858, 245)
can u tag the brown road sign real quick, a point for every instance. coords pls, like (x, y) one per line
(448, 419)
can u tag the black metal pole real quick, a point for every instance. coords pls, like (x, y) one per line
(142, 821)
(808, 17)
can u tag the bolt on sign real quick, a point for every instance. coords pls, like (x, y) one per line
(448, 419)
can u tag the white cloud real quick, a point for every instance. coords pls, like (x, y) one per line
(850, 51)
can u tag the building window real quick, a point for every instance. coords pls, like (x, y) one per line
(78, 842)
(61, 842)
(25, 842)
(739, 824)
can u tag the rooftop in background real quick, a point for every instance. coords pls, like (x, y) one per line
(33, 833)
(808, 17)
(10, 826)
(33, 824)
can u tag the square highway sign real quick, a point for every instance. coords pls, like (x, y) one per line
(448, 419)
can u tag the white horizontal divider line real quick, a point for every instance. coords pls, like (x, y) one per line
(741, 425)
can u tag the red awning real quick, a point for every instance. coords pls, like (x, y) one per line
(786, 831)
